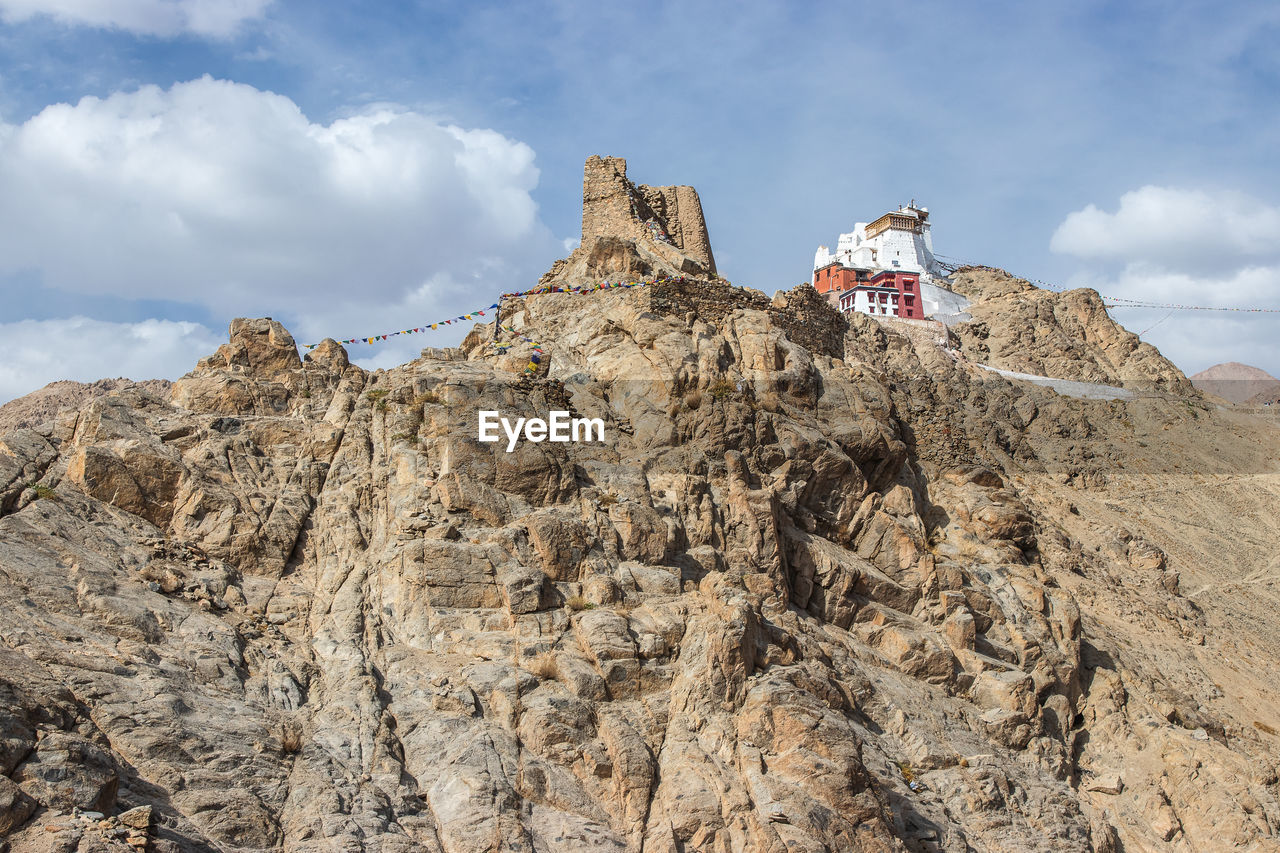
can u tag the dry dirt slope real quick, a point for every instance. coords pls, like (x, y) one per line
(819, 590)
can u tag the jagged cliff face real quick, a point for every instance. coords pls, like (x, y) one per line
(819, 589)
(1017, 326)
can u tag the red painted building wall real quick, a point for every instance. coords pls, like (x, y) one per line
(838, 278)
(835, 278)
(910, 304)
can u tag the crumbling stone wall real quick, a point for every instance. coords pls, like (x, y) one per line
(681, 210)
(810, 320)
(612, 206)
(805, 316)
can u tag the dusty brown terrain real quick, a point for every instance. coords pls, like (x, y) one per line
(822, 588)
(1266, 398)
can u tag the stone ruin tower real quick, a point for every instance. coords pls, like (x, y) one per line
(612, 206)
(631, 230)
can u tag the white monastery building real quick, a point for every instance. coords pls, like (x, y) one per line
(886, 268)
(899, 240)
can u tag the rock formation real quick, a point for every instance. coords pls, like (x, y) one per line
(43, 405)
(1018, 326)
(821, 588)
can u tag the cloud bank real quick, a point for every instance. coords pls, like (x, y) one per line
(219, 194)
(1168, 225)
(34, 353)
(228, 198)
(211, 18)
(1181, 246)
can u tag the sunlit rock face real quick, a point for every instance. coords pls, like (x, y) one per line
(820, 587)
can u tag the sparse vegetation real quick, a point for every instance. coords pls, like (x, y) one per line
(721, 389)
(693, 399)
(403, 436)
(606, 500)
(544, 666)
(305, 393)
(377, 394)
(577, 602)
(42, 492)
(426, 398)
(908, 772)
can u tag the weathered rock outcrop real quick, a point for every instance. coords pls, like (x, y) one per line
(1017, 326)
(42, 406)
(820, 588)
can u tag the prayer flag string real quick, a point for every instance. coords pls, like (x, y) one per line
(1119, 302)
(535, 358)
(537, 291)
(1122, 302)
(370, 339)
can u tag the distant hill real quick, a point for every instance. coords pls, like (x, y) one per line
(1236, 382)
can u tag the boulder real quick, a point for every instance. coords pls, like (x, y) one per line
(68, 772)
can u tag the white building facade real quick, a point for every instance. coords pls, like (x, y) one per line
(899, 240)
(876, 301)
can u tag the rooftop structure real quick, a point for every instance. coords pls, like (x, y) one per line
(898, 240)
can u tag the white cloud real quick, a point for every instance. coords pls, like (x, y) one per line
(36, 352)
(1254, 286)
(217, 194)
(216, 18)
(1186, 247)
(1168, 225)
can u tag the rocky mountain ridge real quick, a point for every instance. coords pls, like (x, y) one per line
(1020, 327)
(43, 405)
(826, 585)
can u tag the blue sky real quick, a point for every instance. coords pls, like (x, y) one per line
(166, 165)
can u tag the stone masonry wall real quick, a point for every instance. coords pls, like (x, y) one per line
(802, 313)
(612, 206)
(606, 200)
